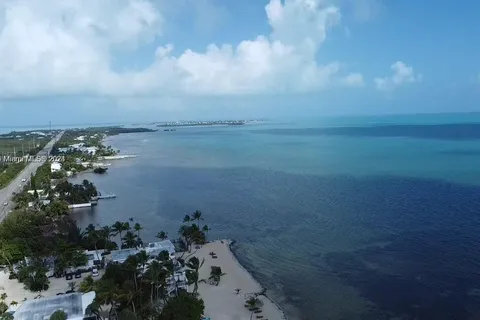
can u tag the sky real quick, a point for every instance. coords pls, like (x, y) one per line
(90, 61)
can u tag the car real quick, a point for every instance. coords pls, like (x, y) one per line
(5, 203)
(78, 274)
(69, 276)
(23, 180)
(94, 272)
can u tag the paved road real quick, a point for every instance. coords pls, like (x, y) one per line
(16, 185)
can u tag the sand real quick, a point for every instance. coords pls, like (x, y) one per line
(16, 292)
(222, 302)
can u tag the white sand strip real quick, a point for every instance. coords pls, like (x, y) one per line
(222, 302)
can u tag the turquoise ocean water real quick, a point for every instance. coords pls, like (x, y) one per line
(340, 218)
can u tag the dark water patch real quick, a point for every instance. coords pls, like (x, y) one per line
(465, 131)
(461, 152)
(337, 247)
(419, 275)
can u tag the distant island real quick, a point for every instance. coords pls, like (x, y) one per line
(205, 123)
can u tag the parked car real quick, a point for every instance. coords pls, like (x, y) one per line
(23, 180)
(94, 272)
(5, 203)
(69, 276)
(78, 274)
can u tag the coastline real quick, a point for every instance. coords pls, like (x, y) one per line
(272, 310)
(226, 300)
(231, 243)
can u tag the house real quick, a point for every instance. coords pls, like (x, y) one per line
(119, 256)
(55, 167)
(154, 248)
(89, 150)
(73, 304)
(39, 191)
(176, 282)
(94, 258)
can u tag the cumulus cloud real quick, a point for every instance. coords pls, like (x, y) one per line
(402, 74)
(52, 47)
(354, 80)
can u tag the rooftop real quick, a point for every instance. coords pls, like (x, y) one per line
(73, 304)
(122, 255)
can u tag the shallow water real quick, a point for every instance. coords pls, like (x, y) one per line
(336, 226)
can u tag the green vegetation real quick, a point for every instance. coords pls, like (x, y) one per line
(100, 170)
(139, 288)
(17, 144)
(8, 172)
(58, 315)
(254, 305)
(76, 193)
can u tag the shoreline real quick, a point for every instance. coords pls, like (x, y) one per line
(226, 300)
(230, 245)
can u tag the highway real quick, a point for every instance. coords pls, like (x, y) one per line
(16, 185)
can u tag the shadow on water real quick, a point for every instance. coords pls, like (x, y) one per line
(457, 131)
(335, 247)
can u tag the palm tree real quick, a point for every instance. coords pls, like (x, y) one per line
(216, 273)
(129, 295)
(117, 228)
(137, 227)
(107, 232)
(186, 232)
(186, 219)
(90, 229)
(130, 240)
(205, 229)
(87, 285)
(162, 235)
(142, 259)
(253, 304)
(5, 253)
(72, 285)
(155, 272)
(126, 226)
(131, 265)
(106, 294)
(193, 275)
(94, 309)
(197, 215)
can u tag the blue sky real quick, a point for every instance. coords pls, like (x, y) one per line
(129, 60)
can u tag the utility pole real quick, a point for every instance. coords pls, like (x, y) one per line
(23, 151)
(14, 153)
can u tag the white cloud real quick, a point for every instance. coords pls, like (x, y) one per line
(49, 47)
(402, 74)
(354, 80)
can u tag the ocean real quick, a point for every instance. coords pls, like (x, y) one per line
(340, 218)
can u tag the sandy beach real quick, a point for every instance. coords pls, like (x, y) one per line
(222, 302)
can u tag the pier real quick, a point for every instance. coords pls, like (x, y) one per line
(106, 196)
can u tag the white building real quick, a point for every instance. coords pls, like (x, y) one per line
(176, 282)
(119, 256)
(55, 167)
(94, 258)
(73, 304)
(154, 248)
